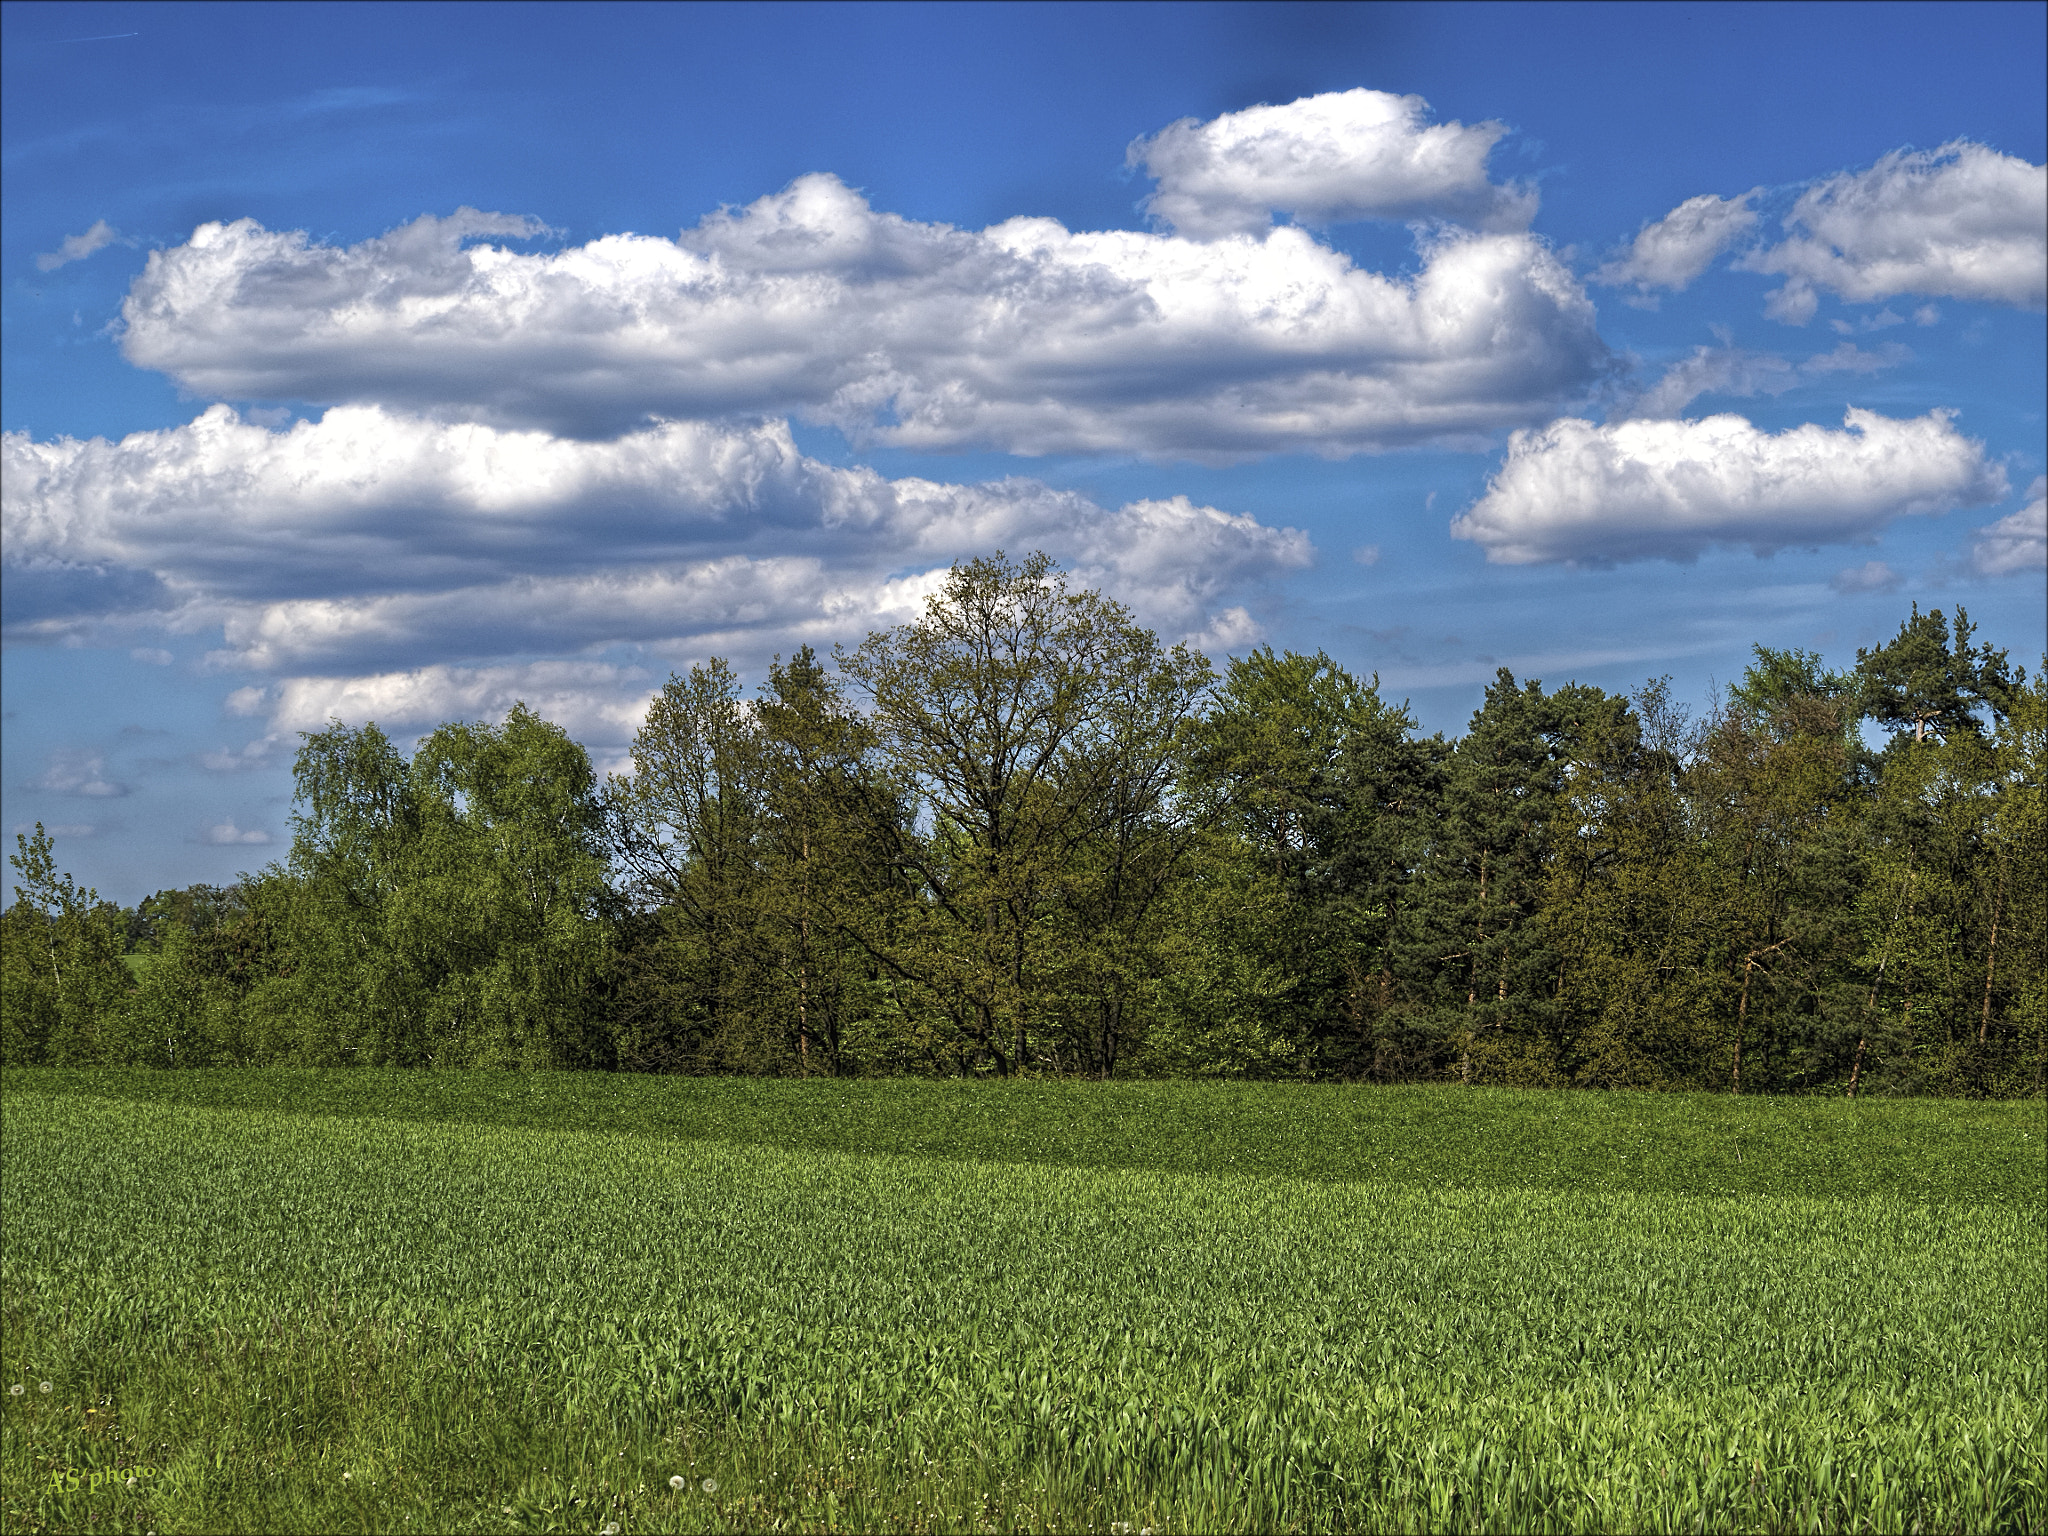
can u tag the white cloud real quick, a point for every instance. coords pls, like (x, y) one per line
(78, 772)
(263, 752)
(1325, 159)
(1847, 357)
(1366, 554)
(1715, 371)
(152, 655)
(1025, 337)
(1677, 248)
(1644, 489)
(1730, 370)
(1962, 221)
(1883, 320)
(593, 701)
(1234, 629)
(1870, 576)
(59, 829)
(2018, 542)
(78, 247)
(369, 545)
(226, 834)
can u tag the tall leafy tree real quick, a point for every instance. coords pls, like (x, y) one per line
(446, 911)
(2012, 1014)
(1017, 716)
(1475, 948)
(1325, 789)
(824, 866)
(65, 984)
(500, 918)
(687, 827)
(1928, 681)
(1777, 795)
(347, 995)
(1634, 909)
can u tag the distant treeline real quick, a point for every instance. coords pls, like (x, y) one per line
(1022, 836)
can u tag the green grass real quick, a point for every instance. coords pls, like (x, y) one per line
(1045, 1306)
(1940, 1150)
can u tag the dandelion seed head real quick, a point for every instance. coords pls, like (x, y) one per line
(611, 1528)
(47, 1387)
(711, 1485)
(676, 1482)
(16, 1390)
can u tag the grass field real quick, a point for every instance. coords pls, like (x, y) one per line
(303, 1301)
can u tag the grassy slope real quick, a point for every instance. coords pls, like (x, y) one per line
(1169, 1304)
(1974, 1152)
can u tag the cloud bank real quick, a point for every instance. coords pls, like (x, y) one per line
(1326, 159)
(1025, 337)
(373, 545)
(548, 473)
(1582, 494)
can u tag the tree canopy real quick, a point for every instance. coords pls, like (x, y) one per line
(1020, 834)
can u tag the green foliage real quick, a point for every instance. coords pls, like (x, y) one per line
(1033, 736)
(1923, 681)
(62, 983)
(467, 1313)
(1776, 679)
(1020, 836)
(446, 912)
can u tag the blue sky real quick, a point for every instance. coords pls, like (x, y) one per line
(400, 361)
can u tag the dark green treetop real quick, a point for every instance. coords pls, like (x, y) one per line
(1924, 680)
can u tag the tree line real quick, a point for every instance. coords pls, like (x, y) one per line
(1020, 835)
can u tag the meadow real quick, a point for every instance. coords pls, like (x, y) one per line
(271, 1300)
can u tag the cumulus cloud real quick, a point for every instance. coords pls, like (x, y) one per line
(370, 548)
(1677, 248)
(1962, 222)
(226, 834)
(1026, 336)
(1643, 489)
(78, 771)
(1326, 159)
(2015, 543)
(78, 247)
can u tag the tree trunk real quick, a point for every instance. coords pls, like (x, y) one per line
(1884, 960)
(1741, 1022)
(1742, 1009)
(1472, 983)
(803, 965)
(1991, 955)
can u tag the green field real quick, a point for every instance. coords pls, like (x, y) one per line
(354, 1300)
